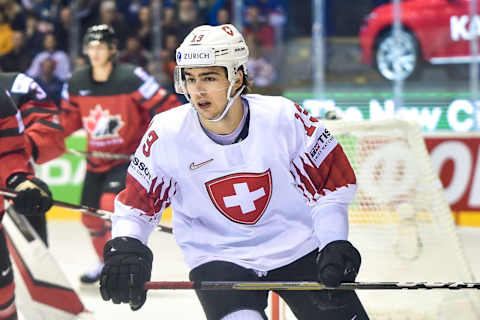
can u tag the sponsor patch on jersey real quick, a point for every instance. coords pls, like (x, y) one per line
(100, 124)
(21, 84)
(142, 74)
(149, 87)
(195, 56)
(324, 143)
(24, 84)
(241, 197)
(141, 169)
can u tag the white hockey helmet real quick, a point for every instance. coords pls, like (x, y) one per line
(208, 46)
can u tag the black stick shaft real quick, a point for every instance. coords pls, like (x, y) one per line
(279, 285)
(104, 214)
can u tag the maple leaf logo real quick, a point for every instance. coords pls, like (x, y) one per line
(101, 124)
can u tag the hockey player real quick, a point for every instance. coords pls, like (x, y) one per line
(34, 197)
(259, 190)
(114, 103)
(44, 138)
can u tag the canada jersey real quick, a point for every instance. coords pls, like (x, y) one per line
(252, 203)
(115, 113)
(12, 144)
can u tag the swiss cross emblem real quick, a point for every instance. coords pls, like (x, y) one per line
(241, 197)
(228, 30)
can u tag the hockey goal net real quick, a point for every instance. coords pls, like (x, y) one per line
(402, 224)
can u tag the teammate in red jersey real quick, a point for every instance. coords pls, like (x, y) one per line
(16, 173)
(44, 138)
(114, 103)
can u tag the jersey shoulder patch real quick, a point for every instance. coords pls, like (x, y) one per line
(324, 143)
(21, 84)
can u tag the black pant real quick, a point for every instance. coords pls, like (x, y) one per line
(306, 305)
(98, 183)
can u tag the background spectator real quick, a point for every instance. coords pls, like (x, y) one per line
(109, 15)
(171, 43)
(260, 70)
(257, 26)
(130, 8)
(49, 10)
(48, 81)
(62, 63)
(169, 19)
(188, 17)
(6, 43)
(87, 13)
(216, 7)
(19, 58)
(62, 28)
(14, 13)
(134, 52)
(144, 27)
(223, 16)
(268, 7)
(80, 62)
(33, 36)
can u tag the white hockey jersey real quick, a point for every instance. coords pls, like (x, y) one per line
(261, 203)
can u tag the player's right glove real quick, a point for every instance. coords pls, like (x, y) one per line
(128, 265)
(34, 196)
(339, 261)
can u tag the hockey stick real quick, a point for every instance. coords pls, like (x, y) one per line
(104, 214)
(305, 285)
(100, 155)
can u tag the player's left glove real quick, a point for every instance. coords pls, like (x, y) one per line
(339, 261)
(128, 265)
(34, 196)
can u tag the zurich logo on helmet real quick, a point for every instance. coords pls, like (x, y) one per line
(179, 56)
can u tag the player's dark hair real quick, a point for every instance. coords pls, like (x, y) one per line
(246, 82)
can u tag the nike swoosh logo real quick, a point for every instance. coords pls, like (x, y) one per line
(354, 317)
(5, 272)
(195, 166)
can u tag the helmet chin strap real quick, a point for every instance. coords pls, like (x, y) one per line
(229, 104)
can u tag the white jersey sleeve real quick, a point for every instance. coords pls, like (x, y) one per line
(147, 192)
(323, 175)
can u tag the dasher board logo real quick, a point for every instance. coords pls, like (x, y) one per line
(241, 197)
(100, 124)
